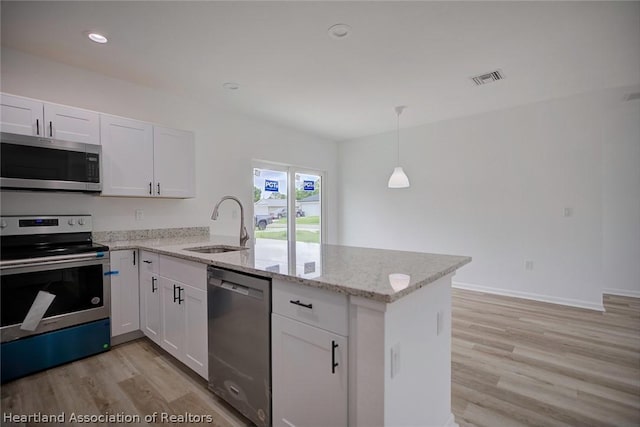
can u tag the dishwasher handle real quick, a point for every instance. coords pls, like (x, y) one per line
(234, 287)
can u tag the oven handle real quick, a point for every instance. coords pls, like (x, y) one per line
(52, 260)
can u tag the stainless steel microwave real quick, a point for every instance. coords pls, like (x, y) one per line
(34, 163)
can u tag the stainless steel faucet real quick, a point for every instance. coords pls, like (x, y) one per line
(244, 235)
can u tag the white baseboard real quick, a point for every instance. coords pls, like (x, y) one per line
(621, 292)
(526, 295)
(129, 336)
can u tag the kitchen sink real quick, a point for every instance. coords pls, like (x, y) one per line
(215, 249)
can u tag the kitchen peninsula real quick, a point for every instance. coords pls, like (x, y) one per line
(388, 314)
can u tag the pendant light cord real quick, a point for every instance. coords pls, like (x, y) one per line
(399, 110)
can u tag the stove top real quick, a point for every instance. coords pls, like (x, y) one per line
(29, 236)
(24, 252)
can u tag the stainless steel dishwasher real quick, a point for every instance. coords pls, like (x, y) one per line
(239, 322)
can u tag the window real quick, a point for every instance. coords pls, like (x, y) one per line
(288, 219)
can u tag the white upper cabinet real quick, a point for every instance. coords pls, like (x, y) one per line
(127, 157)
(138, 158)
(26, 116)
(173, 162)
(71, 124)
(143, 160)
(21, 115)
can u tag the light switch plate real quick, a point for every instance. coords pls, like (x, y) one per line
(395, 360)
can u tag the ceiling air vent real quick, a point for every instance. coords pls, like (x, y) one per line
(483, 79)
(632, 96)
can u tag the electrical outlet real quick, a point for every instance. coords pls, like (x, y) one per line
(528, 265)
(139, 215)
(568, 212)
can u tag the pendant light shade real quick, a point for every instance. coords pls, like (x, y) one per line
(398, 178)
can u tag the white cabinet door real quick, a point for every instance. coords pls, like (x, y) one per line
(172, 318)
(195, 333)
(125, 309)
(174, 162)
(127, 157)
(308, 390)
(21, 115)
(71, 124)
(150, 296)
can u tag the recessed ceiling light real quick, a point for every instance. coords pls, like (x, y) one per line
(231, 85)
(98, 38)
(339, 31)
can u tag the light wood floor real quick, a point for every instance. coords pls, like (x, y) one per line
(136, 378)
(522, 363)
(514, 363)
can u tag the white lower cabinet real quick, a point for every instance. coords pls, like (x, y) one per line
(195, 330)
(309, 375)
(149, 296)
(125, 307)
(174, 308)
(172, 314)
(309, 363)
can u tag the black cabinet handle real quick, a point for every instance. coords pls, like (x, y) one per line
(334, 364)
(150, 184)
(153, 285)
(146, 261)
(158, 189)
(179, 296)
(297, 302)
(38, 127)
(134, 257)
(51, 129)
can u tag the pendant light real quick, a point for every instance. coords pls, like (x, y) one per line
(398, 178)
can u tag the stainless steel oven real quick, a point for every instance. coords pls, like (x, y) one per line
(29, 162)
(54, 293)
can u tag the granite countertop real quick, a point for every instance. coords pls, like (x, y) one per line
(377, 274)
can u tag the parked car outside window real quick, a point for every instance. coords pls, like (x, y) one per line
(282, 213)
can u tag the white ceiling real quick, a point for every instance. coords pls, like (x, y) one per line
(420, 54)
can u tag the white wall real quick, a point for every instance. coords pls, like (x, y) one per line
(621, 200)
(494, 186)
(225, 146)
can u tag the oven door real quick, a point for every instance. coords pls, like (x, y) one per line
(29, 162)
(81, 285)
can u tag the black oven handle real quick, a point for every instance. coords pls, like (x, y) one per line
(53, 260)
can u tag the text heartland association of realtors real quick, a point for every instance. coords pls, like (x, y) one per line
(120, 418)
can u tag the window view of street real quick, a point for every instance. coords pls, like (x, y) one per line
(272, 215)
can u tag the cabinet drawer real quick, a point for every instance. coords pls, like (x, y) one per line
(149, 262)
(188, 272)
(328, 310)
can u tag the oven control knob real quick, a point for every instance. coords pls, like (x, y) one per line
(3, 224)
(72, 222)
(80, 221)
